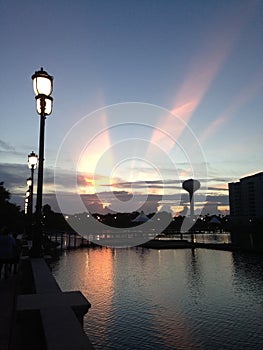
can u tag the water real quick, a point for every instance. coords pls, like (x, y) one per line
(167, 299)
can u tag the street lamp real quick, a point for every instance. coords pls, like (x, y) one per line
(29, 182)
(42, 86)
(32, 164)
(26, 205)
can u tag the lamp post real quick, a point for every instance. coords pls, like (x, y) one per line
(26, 205)
(27, 193)
(32, 164)
(42, 86)
(29, 181)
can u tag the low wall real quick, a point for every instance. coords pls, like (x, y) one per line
(52, 318)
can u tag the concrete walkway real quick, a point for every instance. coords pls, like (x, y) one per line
(7, 310)
(40, 315)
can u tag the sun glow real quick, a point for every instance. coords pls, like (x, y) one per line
(89, 179)
(92, 183)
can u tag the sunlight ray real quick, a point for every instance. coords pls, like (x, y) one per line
(246, 95)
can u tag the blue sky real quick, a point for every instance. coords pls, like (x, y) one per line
(201, 60)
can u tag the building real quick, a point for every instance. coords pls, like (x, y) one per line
(246, 197)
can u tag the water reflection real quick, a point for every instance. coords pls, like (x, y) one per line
(205, 237)
(247, 274)
(167, 299)
(193, 273)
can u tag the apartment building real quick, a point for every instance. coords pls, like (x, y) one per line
(246, 197)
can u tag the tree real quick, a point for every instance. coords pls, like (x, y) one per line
(4, 194)
(10, 214)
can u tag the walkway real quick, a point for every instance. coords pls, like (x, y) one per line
(43, 318)
(7, 307)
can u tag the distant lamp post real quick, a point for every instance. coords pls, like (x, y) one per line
(43, 87)
(32, 164)
(29, 184)
(26, 205)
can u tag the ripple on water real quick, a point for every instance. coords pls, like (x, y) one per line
(171, 299)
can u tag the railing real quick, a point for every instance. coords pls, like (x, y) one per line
(68, 241)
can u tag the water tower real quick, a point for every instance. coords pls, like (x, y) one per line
(191, 186)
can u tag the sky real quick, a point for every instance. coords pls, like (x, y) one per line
(146, 95)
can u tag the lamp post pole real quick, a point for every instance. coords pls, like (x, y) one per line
(43, 86)
(31, 188)
(40, 171)
(32, 164)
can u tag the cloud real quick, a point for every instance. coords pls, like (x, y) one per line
(153, 184)
(14, 177)
(4, 146)
(217, 189)
(10, 154)
(218, 199)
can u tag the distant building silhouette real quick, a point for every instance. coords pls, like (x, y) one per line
(141, 217)
(246, 197)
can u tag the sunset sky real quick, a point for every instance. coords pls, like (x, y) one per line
(193, 71)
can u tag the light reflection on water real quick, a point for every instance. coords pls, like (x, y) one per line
(167, 299)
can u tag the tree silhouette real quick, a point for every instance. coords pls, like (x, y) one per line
(10, 214)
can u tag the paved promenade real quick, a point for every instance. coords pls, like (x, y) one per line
(7, 308)
(36, 314)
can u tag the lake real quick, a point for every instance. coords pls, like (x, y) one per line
(167, 299)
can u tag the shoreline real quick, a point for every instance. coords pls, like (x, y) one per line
(184, 244)
(70, 241)
(176, 244)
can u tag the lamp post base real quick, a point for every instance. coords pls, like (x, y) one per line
(37, 250)
(36, 253)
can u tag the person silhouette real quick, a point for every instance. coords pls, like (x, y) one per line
(8, 251)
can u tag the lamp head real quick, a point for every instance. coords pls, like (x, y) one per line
(32, 160)
(44, 104)
(29, 182)
(42, 83)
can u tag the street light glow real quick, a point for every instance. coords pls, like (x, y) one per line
(42, 83)
(32, 161)
(44, 104)
(29, 182)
